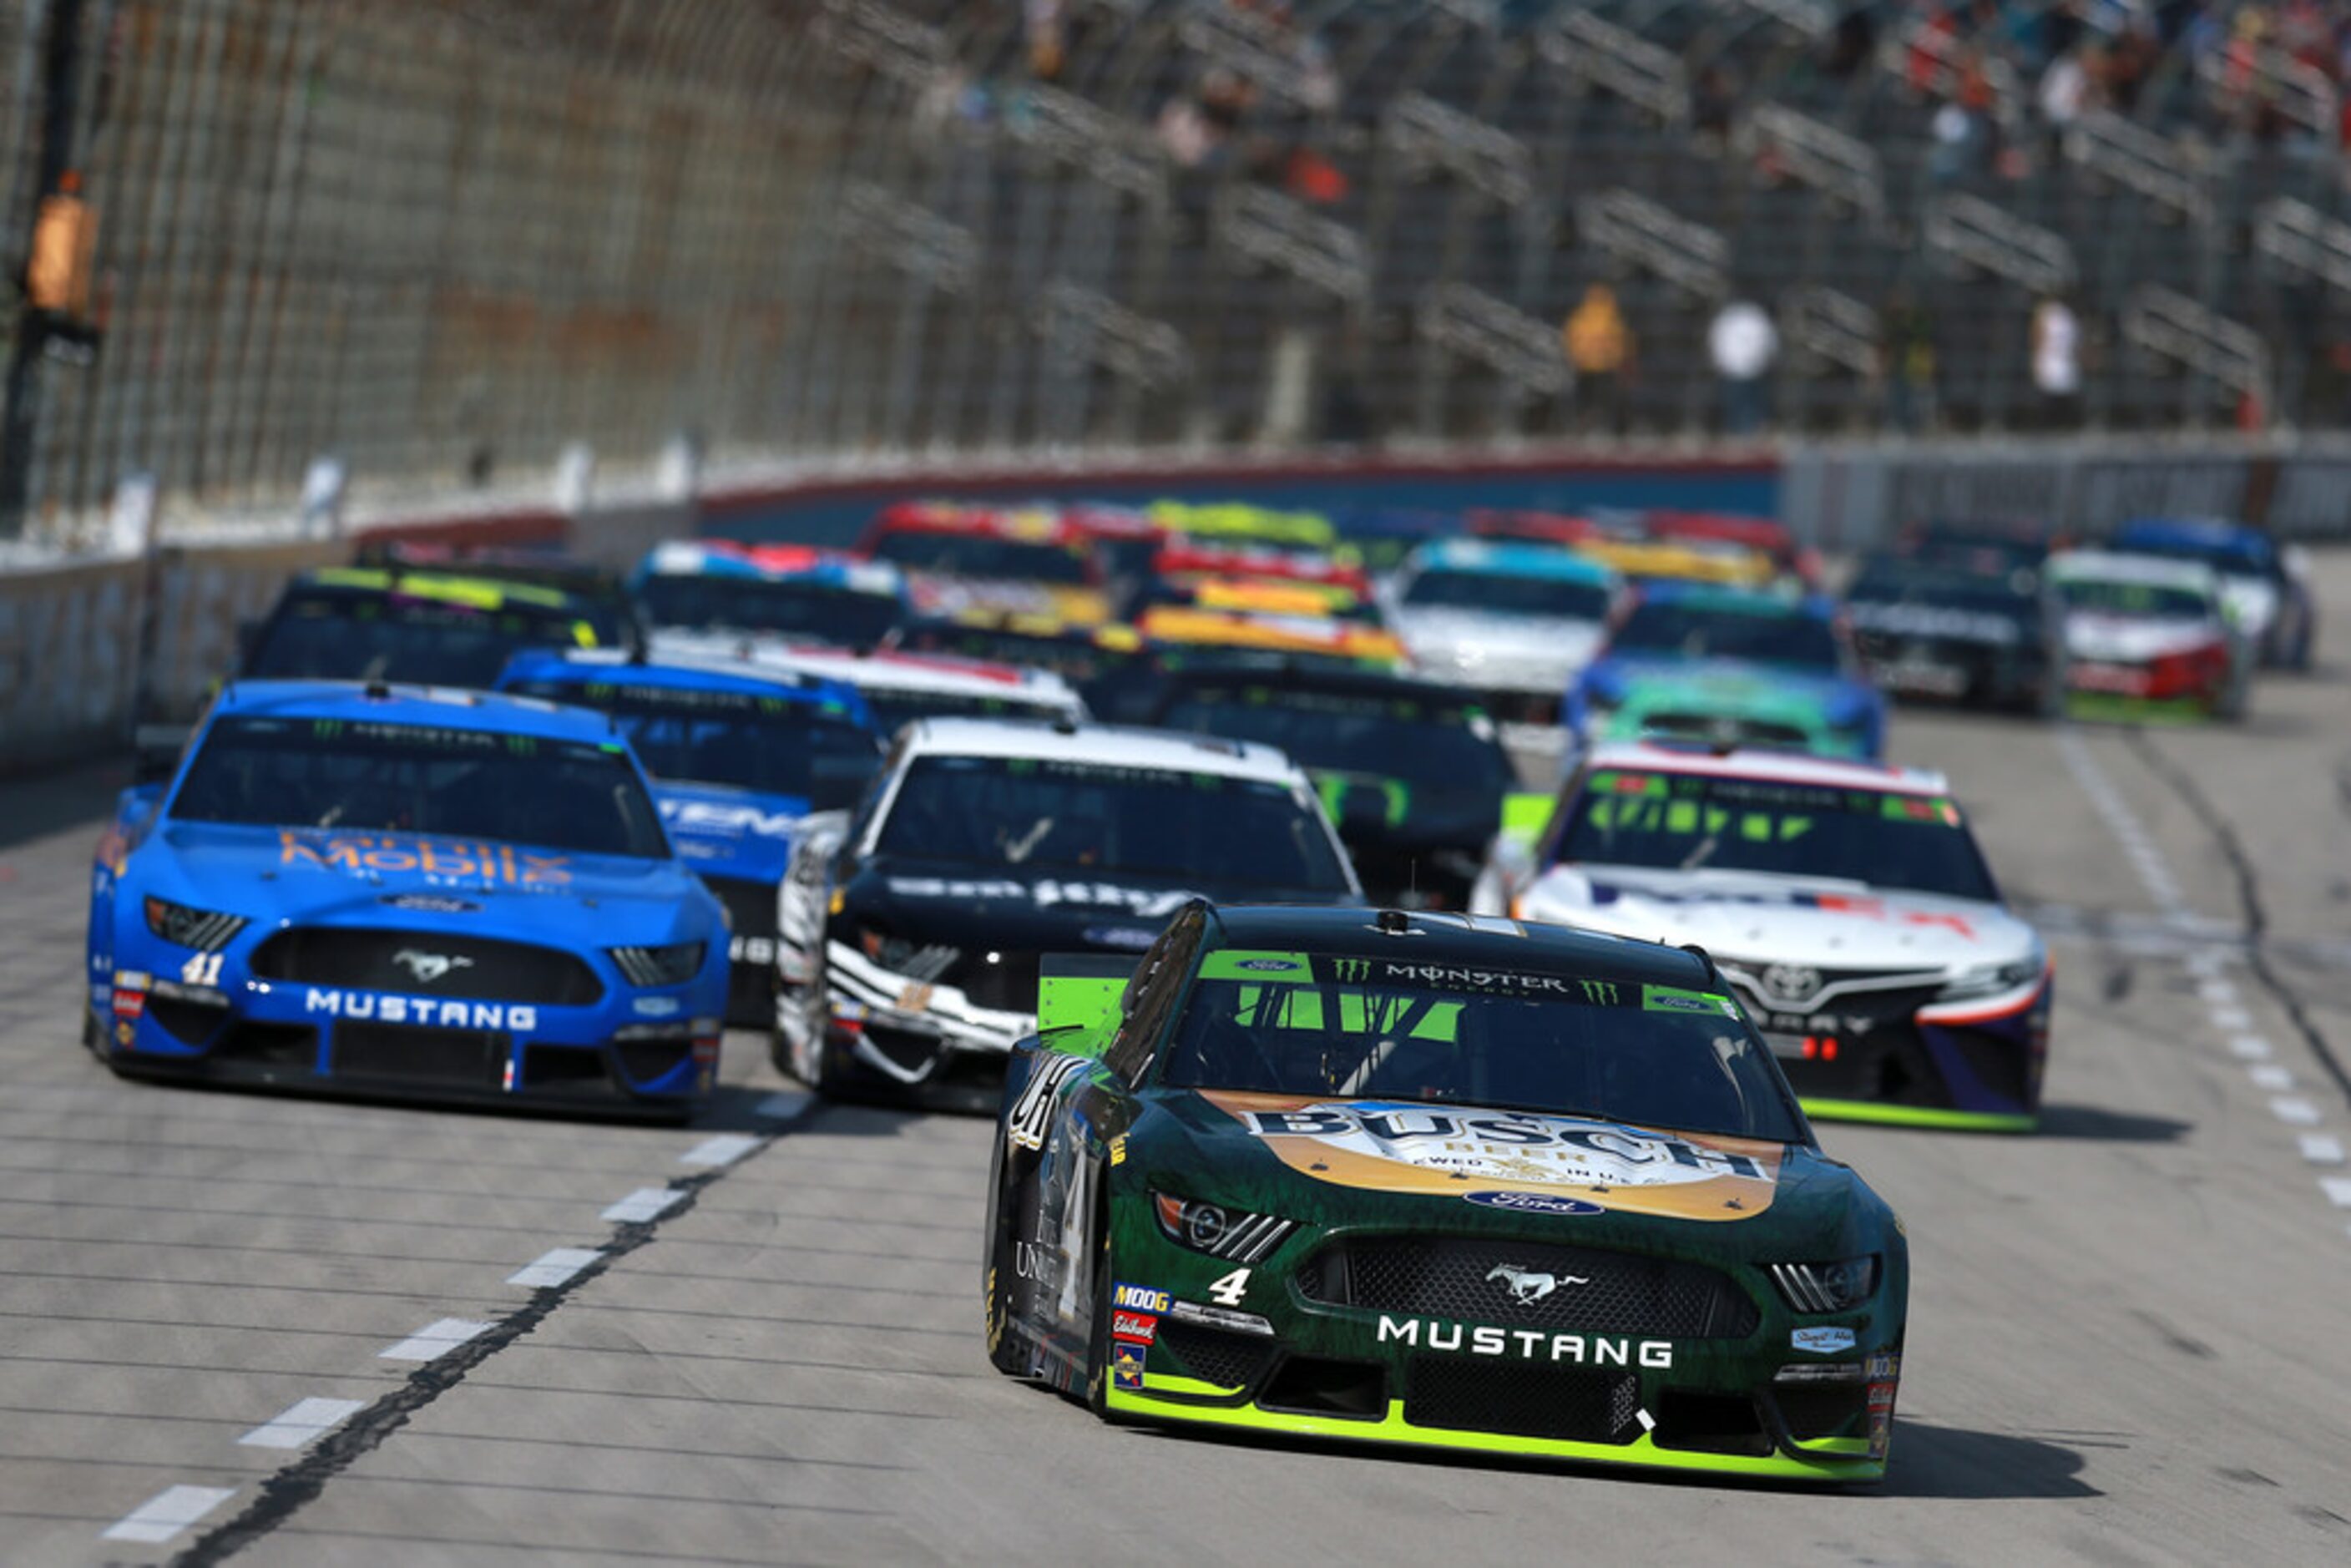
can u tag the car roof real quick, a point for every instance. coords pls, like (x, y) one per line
(1459, 941)
(436, 707)
(448, 587)
(725, 558)
(2128, 566)
(879, 672)
(1515, 559)
(2216, 534)
(679, 671)
(1769, 766)
(1741, 600)
(1119, 745)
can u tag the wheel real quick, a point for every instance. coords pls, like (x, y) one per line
(1098, 1330)
(998, 1266)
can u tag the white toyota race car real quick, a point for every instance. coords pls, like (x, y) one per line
(1846, 903)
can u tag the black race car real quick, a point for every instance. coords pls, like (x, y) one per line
(438, 628)
(1933, 631)
(909, 935)
(1413, 771)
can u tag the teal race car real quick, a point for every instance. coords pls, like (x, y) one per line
(1728, 706)
(1437, 1180)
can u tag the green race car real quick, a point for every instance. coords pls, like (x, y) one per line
(1729, 709)
(1437, 1180)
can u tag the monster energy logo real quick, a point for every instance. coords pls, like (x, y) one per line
(1351, 971)
(1601, 991)
(325, 729)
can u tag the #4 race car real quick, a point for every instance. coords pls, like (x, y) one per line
(406, 893)
(1847, 905)
(910, 934)
(1440, 1181)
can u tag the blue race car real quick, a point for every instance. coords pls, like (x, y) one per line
(2265, 591)
(1675, 632)
(406, 892)
(739, 755)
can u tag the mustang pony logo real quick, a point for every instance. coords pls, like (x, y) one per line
(1528, 1286)
(429, 966)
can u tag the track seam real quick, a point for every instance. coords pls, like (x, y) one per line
(290, 1491)
(2256, 919)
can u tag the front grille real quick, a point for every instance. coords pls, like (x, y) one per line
(1213, 1355)
(1591, 1291)
(1887, 1002)
(750, 905)
(1721, 729)
(1567, 1404)
(291, 1047)
(469, 968)
(1006, 985)
(459, 1058)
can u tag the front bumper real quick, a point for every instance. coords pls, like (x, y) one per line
(2095, 688)
(1950, 670)
(913, 1032)
(1752, 1405)
(1973, 1066)
(323, 1041)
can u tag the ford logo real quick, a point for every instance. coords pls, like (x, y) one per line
(1532, 1203)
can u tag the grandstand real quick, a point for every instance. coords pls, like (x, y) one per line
(1163, 221)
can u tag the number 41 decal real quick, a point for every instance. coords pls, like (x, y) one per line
(1228, 1290)
(204, 969)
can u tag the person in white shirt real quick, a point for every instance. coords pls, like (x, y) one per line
(1742, 343)
(2057, 362)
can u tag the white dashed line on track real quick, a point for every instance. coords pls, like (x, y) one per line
(301, 1422)
(167, 1513)
(2218, 993)
(645, 1203)
(722, 1150)
(2270, 1075)
(2250, 1048)
(555, 1268)
(433, 1340)
(2320, 1149)
(2295, 1112)
(2227, 1020)
(2337, 1190)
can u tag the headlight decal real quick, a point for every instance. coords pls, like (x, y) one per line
(204, 930)
(1837, 1287)
(1219, 1232)
(671, 966)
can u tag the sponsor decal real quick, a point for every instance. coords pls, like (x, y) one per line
(1219, 1317)
(1126, 938)
(1024, 1126)
(431, 903)
(758, 950)
(657, 1007)
(128, 1003)
(1035, 1260)
(1138, 1298)
(1048, 894)
(1528, 1286)
(735, 821)
(453, 858)
(1881, 1418)
(1127, 1357)
(516, 1018)
(133, 979)
(125, 1032)
(101, 995)
(1883, 1367)
(1822, 1342)
(1143, 1327)
(1506, 1159)
(427, 967)
(1525, 1344)
(1270, 966)
(1118, 1149)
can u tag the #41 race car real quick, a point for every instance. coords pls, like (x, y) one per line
(1429, 1179)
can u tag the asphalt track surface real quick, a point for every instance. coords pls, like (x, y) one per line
(2127, 1342)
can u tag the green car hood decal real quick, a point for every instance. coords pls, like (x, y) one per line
(1331, 785)
(1509, 1159)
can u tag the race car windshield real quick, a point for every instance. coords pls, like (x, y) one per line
(1897, 586)
(812, 612)
(1706, 631)
(776, 746)
(892, 710)
(1435, 743)
(1074, 659)
(339, 637)
(1497, 593)
(1021, 814)
(1605, 1050)
(409, 778)
(2235, 558)
(1678, 822)
(981, 555)
(2152, 600)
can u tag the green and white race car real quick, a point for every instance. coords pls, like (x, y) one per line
(1437, 1180)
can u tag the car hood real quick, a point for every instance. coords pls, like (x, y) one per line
(1739, 916)
(1838, 699)
(1335, 1161)
(959, 906)
(2132, 639)
(1535, 653)
(323, 876)
(731, 832)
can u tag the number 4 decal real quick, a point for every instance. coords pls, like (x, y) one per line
(204, 969)
(1229, 1290)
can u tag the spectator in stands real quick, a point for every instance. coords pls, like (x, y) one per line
(2065, 89)
(2057, 362)
(1600, 346)
(1742, 343)
(1713, 96)
(1907, 362)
